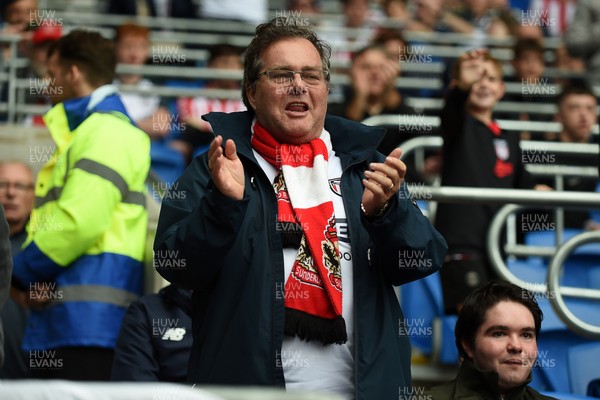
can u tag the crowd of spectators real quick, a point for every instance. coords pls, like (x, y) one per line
(376, 43)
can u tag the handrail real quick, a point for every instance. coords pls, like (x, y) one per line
(467, 195)
(528, 197)
(554, 271)
(558, 254)
(434, 122)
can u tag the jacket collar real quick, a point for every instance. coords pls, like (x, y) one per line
(485, 383)
(173, 295)
(65, 117)
(351, 140)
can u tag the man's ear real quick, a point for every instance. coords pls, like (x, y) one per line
(251, 95)
(74, 72)
(468, 350)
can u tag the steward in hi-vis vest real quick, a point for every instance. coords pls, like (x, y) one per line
(82, 260)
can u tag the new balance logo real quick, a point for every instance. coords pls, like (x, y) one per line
(174, 334)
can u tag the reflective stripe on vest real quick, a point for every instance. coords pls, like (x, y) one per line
(97, 293)
(94, 167)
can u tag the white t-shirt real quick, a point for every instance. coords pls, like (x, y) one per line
(140, 106)
(252, 11)
(309, 366)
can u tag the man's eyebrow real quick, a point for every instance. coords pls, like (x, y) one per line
(495, 328)
(289, 67)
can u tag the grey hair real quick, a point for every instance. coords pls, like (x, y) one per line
(271, 32)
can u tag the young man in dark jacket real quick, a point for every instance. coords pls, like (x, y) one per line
(496, 336)
(292, 231)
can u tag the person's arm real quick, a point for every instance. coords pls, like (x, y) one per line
(403, 243)
(199, 222)
(453, 114)
(581, 37)
(107, 159)
(135, 358)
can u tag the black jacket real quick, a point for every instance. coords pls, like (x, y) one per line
(473, 384)
(156, 338)
(6, 266)
(234, 263)
(470, 152)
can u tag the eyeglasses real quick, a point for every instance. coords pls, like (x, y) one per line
(286, 77)
(19, 186)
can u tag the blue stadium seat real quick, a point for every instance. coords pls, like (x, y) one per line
(422, 304)
(422, 301)
(567, 396)
(595, 213)
(550, 372)
(584, 366)
(166, 162)
(582, 267)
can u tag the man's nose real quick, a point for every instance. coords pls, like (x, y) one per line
(514, 345)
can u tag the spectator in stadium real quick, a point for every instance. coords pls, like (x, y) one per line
(581, 37)
(576, 113)
(156, 338)
(16, 19)
(476, 153)
(250, 11)
(434, 16)
(568, 66)
(496, 337)
(372, 89)
(83, 254)
(16, 196)
(554, 16)
(37, 73)
(198, 133)
(5, 271)
(153, 8)
(393, 41)
(398, 11)
(240, 243)
(132, 45)
(354, 31)
(373, 92)
(528, 64)
(306, 8)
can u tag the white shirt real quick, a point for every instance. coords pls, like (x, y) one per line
(309, 366)
(140, 106)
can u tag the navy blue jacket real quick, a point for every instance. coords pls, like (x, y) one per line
(156, 338)
(234, 263)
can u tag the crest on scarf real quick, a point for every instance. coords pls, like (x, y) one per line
(502, 151)
(330, 254)
(303, 268)
(280, 191)
(335, 186)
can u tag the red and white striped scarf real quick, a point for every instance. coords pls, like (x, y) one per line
(313, 291)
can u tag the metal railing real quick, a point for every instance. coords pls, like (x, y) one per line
(434, 122)
(517, 200)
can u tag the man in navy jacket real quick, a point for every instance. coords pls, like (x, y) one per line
(223, 234)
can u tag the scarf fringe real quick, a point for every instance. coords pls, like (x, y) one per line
(309, 327)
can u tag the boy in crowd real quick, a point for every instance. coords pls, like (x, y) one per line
(476, 153)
